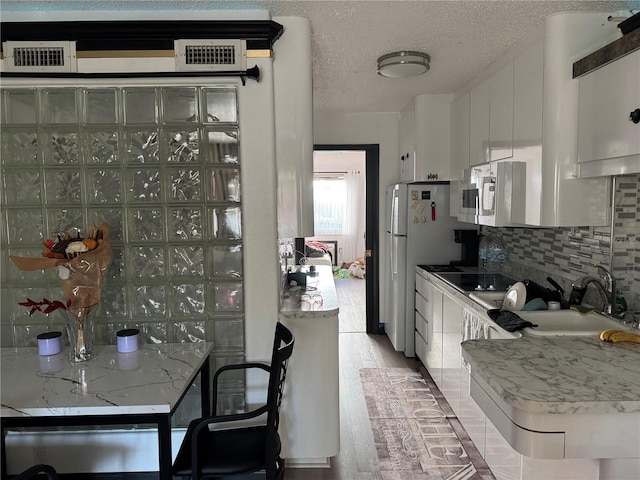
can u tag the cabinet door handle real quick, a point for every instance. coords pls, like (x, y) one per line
(635, 116)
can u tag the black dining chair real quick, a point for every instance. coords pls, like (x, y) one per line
(35, 471)
(208, 453)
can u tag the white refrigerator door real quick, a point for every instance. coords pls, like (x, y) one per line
(388, 208)
(430, 241)
(395, 324)
(399, 209)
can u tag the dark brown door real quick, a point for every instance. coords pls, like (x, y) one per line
(372, 219)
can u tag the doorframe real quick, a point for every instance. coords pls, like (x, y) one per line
(372, 225)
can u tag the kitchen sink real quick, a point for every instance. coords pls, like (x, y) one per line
(488, 300)
(568, 322)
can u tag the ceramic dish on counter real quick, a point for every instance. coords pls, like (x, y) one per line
(515, 297)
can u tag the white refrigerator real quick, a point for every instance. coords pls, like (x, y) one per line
(419, 231)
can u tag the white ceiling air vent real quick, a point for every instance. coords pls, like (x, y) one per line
(211, 55)
(40, 56)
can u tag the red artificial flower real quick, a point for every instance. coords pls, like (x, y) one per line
(50, 306)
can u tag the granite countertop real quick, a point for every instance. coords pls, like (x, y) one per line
(149, 380)
(318, 299)
(559, 375)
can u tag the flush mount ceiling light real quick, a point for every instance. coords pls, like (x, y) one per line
(403, 64)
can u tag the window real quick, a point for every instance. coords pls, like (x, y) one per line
(329, 200)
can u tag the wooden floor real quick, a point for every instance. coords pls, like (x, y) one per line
(357, 459)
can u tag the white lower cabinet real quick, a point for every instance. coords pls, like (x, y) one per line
(471, 416)
(428, 321)
(438, 334)
(310, 428)
(439, 318)
(451, 333)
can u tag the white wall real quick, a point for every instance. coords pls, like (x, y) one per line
(366, 128)
(259, 204)
(260, 236)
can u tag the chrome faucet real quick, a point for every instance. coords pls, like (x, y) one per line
(605, 285)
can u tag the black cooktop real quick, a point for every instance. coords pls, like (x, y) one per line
(469, 282)
(440, 268)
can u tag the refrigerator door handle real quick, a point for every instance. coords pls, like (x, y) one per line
(394, 257)
(395, 211)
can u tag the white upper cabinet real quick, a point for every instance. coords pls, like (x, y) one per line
(501, 114)
(606, 130)
(527, 104)
(432, 137)
(407, 146)
(293, 94)
(459, 136)
(429, 159)
(526, 110)
(479, 124)
(565, 199)
(527, 125)
(491, 114)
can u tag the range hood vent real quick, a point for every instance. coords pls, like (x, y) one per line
(40, 56)
(211, 55)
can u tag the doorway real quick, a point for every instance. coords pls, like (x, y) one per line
(371, 240)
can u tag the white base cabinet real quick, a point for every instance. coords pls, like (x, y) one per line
(428, 323)
(310, 422)
(508, 464)
(438, 335)
(310, 413)
(439, 314)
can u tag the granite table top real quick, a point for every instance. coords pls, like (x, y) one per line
(148, 381)
(318, 299)
(559, 375)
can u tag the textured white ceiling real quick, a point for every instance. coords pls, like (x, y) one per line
(462, 37)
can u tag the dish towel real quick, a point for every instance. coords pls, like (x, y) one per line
(509, 320)
(473, 327)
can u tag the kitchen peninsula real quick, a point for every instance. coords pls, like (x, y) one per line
(536, 407)
(573, 399)
(310, 419)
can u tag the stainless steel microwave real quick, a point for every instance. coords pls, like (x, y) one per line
(493, 194)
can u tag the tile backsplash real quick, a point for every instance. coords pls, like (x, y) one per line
(568, 253)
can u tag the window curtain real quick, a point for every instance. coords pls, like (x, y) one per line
(354, 218)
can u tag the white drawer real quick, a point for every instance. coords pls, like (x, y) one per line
(422, 286)
(422, 306)
(421, 349)
(422, 326)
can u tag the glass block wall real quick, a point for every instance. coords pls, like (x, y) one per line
(161, 165)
